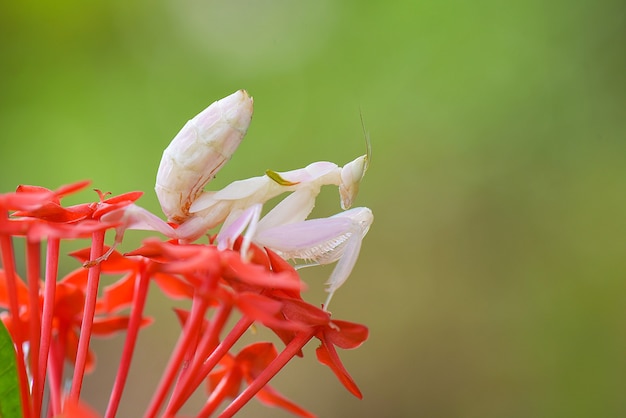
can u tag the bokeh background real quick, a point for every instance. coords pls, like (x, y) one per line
(493, 279)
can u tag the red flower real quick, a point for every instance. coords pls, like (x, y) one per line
(247, 366)
(69, 303)
(346, 335)
(331, 333)
(261, 286)
(119, 294)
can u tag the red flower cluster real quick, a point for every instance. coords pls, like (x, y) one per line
(56, 318)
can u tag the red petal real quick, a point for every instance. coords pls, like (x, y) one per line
(68, 302)
(76, 278)
(115, 263)
(40, 230)
(151, 248)
(71, 188)
(280, 265)
(258, 256)
(77, 409)
(25, 188)
(182, 315)
(349, 335)
(179, 258)
(22, 291)
(29, 199)
(104, 208)
(119, 294)
(238, 269)
(265, 310)
(54, 212)
(214, 379)
(255, 357)
(173, 286)
(16, 227)
(71, 348)
(226, 384)
(301, 311)
(112, 324)
(257, 305)
(126, 197)
(271, 397)
(326, 354)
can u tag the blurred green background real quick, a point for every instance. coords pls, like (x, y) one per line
(493, 278)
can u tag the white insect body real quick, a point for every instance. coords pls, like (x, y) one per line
(199, 150)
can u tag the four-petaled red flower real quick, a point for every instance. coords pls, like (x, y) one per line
(262, 287)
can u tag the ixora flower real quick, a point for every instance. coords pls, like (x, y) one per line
(242, 275)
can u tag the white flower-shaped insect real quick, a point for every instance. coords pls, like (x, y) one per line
(197, 153)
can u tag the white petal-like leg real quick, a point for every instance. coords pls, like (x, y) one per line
(323, 241)
(210, 209)
(316, 240)
(132, 217)
(136, 217)
(294, 208)
(320, 172)
(346, 263)
(228, 234)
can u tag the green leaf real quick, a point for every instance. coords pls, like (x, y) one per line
(10, 402)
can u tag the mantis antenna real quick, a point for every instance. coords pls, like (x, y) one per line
(368, 142)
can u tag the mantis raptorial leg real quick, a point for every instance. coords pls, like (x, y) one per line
(224, 206)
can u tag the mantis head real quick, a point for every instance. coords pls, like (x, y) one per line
(351, 175)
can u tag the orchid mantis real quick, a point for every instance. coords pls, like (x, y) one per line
(203, 146)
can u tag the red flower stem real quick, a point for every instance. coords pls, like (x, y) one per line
(52, 264)
(266, 375)
(217, 396)
(6, 250)
(190, 331)
(55, 367)
(192, 347)
(186, 369)
(220, 351)
(33, 273)
(209, 341)
(93, 280)
(134, 323)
